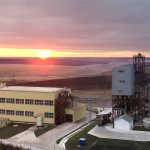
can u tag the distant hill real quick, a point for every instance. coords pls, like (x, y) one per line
(62, 61)
(95, 82)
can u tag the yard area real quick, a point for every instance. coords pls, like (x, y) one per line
(10, 130)
(43, 130)
(94, 143)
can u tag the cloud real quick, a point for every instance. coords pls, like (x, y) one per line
(77, 25)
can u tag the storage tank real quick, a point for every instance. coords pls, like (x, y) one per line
(146, 123)
(39, 120)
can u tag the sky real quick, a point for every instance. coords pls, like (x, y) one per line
(74, 28)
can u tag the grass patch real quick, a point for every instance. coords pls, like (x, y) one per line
(58, 141)
(43, 130)
(111, 144)
(10, 130)
(73, 141)
(94, 143)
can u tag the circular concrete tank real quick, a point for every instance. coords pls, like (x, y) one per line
(146, 123)
(39, 121)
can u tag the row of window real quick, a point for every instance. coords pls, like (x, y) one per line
(24, 113)
(120, 91)
(121, 81)
(48, 115)
(27, 101)
(17, 113)
(121, 71)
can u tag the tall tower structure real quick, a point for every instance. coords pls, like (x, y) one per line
(139, 67)
(123, 90)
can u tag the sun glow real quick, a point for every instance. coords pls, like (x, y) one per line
(44, 54)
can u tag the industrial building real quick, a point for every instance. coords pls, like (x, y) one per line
(123, 80)
(129, 88)
(27, 104)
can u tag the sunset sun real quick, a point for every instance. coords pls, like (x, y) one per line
(44, 54)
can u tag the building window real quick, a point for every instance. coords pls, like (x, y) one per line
(20, 113)
(49, 102)
(121, 71)
(19, 101)
(48, 115)
(38, 102)
(29, 101)
(10, 100)
(2, 100)
(10, 112)
(120, 91)
(121, 81)
(2, 111)
(29, 113)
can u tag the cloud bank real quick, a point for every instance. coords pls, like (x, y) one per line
(76, 25)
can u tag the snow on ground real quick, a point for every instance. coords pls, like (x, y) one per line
(110, 133)
(48, 140)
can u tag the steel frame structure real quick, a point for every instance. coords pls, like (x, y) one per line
(134, 105)
(63, 101)
(122, 105)
(139, 65)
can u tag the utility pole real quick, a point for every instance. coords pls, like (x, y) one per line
(90, 103)
(149, 97)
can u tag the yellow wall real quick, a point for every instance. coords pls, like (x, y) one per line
(27, 95)
(78, 112)
(37, 109)
(69, 111)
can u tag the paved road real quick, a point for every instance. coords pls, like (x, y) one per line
(111, 133)
(48, 140)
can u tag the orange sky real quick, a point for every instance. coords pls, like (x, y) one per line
(8, 52)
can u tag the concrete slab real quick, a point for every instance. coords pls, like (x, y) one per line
(109, 132)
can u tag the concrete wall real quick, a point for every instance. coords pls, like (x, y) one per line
(131, 125)
(123, 80)
(123, 124)
(78, 111)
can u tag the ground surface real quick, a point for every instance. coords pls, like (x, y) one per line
(110, 133)
(72, 143)
(103, 94)
(4, 147)
(48, 140)
(43, 130)
(95, 143)
(140, 128)
(10, 130)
